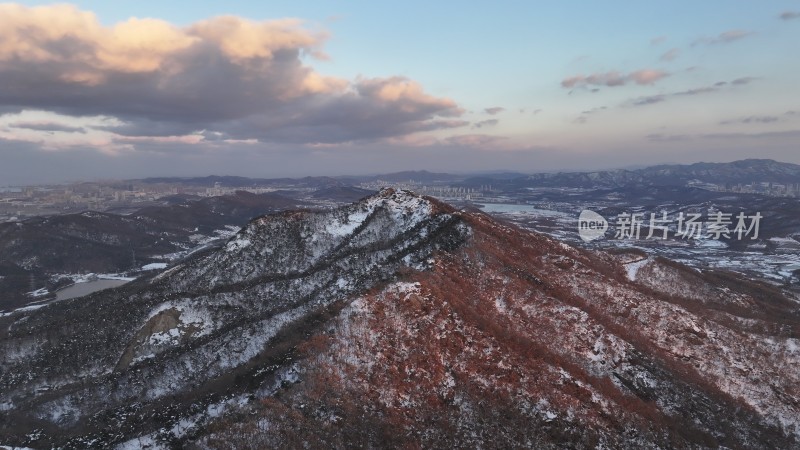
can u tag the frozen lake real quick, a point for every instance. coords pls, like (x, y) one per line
(510, 208)
(81, 289)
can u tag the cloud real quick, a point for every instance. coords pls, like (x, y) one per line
(765, 135)
(789, 15)
(244, 79)
(658, 40)
(769, 135)
(751, 119)
(648, 100)
(724, 37)
(473, 140)
(599, 79)
(651, 99)
(594, 110)
(658, 137)
(716, 87)
(584, 116)
(670, 55)
(614, 78)
(54, 131)
(485, 123)
(744, 80)
(762, 119)
(647, 76)
(695, 91)
(494, 110)
(47, 126)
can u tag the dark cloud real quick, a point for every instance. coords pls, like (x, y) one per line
(494, 110)
(47, 126)
(789, 15)
(244, 79)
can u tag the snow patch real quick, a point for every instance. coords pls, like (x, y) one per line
(632, 268)
(348, 226)
(38, 293)
(237, 244)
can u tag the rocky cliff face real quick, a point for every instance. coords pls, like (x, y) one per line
(398, 321)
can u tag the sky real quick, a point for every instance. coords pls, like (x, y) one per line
(97, 90)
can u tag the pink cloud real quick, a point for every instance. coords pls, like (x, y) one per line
(647, 76)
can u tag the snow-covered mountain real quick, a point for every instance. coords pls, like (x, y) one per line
(400, 321)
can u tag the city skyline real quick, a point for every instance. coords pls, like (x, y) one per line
(98, 90)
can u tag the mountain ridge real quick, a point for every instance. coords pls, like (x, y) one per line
(434, 326)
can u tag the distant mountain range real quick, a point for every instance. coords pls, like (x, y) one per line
(743, 171)
(309, 182)
(737, 172)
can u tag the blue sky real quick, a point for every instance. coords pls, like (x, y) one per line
(527, 86)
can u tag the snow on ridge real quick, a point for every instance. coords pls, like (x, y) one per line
(402, 204)
(403, 201)
(237, 244)
(348, 226)
(405, 207)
